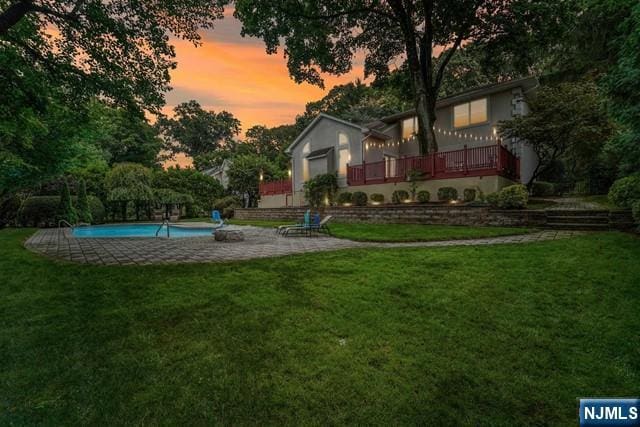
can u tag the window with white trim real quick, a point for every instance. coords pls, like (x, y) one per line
(409, 127)
(306, 149)
(343, 153)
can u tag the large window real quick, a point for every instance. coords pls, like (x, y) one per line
(343, 153)
(306, 149)
(470, 113)
(409, 127)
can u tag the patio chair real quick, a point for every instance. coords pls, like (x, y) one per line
(321, 227)
(305, 221)
(317, 226)
(216, 217)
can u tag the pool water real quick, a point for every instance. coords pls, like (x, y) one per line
(140, 230)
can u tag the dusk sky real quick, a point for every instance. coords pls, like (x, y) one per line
(229, 72)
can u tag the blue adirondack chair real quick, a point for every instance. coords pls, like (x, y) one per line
(217, 218)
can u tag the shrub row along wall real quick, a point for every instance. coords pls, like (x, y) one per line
(416, 214)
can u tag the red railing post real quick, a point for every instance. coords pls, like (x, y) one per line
(364, 172)
(465, 159)
(433, 164)
(499, 157)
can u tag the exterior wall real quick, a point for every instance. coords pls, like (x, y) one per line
(276, 201)
(325, 134)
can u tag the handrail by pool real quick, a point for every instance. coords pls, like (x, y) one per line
(162, 225)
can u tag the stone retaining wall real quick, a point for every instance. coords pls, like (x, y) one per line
(425, 214)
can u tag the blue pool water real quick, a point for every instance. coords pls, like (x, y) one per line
(140, 230)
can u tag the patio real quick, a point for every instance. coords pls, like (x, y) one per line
(259, 242)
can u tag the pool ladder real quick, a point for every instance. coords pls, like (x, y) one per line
(164, 221)
(60, 223)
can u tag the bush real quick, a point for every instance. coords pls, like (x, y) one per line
(399, 196)
(360, 198)
(9, 211)
(39, 211)
(66, 211)
(226, 205)
(84, 213)
(543, 189)
(345, 197)
(635, 210)
(447, 194)
(377, 197)
(321, 189)
(469, 195)
(625, 191)
(511, 197)
(423, 196)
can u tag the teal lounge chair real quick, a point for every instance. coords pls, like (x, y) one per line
(305, 222)
(216, 217)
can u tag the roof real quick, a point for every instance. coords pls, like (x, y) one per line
(526, 83)
(377, 134)
(218, 169)
(319, 153)
(314, 122)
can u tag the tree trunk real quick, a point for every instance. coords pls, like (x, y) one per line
(426, 112)
(13, 14)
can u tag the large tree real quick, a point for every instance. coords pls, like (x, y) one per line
(118, 49)
(324, 37)
(197, 132)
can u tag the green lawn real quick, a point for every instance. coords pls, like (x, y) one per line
(462, 335)
(402, 232)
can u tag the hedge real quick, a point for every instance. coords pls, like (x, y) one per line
(447, 194)
(625, 191)
(423, 196)
(39, 211)
(377, 197)
(399, 196)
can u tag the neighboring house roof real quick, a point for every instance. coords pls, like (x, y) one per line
(526, 83)
(319, 153)
(218, 169)
(313, 123)
(377, 134)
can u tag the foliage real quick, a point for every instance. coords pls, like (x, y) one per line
(39, 211)
(377, 197)
(66, 211)
(511, 197)
(84, 211)
(321, 190)
(269, 143)
(345, 197)
(360, 198)
(203, 189)
(117, 51)
(399, 196)
(226, 205)
(324, 37)
(469, 195)
(129, 182)
(568, 119)
(413, 177)
(625, 191)
(424, 196)
(635, 210)
(244, 175)
(197, 132)
(9, 208)
(543, 189)
(447, 194)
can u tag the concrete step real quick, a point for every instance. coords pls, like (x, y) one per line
(577, 212)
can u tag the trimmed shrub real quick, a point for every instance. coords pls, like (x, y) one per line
(469, 195)
(543, 189)
(511, 197)
(321, 189)
(84, 213)
(66, 211)
(399, 196)
(360, 198)
(447, 194)
(96, 210)
(377, 197)
(625, 191)
(345, 197)
(226, 205)
(423, 196)
(635, 210)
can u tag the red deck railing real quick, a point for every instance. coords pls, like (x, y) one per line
(275, 187)
(477, 161)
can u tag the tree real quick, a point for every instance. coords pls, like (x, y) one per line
(66, 212)
(129, 182)
(203, 189)
(197, 132)
(569, 118)
(117, 49)
(325, 36)
(84, 212)
(244, 175)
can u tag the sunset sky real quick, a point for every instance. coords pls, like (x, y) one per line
(229, 72)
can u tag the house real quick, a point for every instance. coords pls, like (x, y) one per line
(220, 173)
(378, 157)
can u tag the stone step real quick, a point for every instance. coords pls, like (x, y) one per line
(578, 212)
(576, 226)
(578, 219)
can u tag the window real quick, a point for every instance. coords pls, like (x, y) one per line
(343, 153)
(306, 149)
(470, 113)
(409, 127)
(390, 163)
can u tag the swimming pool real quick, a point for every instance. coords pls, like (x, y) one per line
(140, 230)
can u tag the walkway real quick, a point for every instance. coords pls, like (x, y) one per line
(259, 243)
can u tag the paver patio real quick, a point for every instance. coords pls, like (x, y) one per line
(259, 243)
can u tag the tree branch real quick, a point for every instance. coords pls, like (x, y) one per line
(13, 14)
(445, 61)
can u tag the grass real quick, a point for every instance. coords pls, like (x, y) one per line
(463, 335)
(402, 232)
(601, 200)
